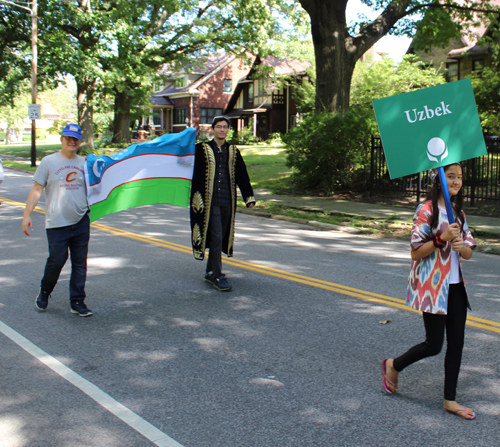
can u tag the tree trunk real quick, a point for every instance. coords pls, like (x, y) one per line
(85, 92)
(10, 136)
(335, 54)
(121, 121)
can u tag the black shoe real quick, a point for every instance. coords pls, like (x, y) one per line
(210, 278)
(79, 308)
(42, 300)
(222, 284)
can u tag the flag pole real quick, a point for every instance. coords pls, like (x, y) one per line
(446, 195)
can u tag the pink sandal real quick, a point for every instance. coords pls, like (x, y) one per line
(385, 380)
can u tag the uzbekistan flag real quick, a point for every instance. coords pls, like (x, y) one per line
(159, 171)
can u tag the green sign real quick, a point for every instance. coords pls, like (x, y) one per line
(429, 128)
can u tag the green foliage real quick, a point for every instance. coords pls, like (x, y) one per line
(15, 46)
(57, 127)
(304, 93)
(436, 29)
(486, 86)
(385, 78)
(330, 152)
(14, 113)
(243, 136)
(41, 134)
(275, 139)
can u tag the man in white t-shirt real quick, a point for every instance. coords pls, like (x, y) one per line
(67, 220)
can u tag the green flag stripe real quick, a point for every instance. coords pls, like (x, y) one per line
(143, 192)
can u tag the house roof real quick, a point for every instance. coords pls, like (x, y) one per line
(161, 100)
(201, 67)
(206, 69)
(285, 66)
(282, 67)
(470, 38)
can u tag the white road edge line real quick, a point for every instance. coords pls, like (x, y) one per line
(120, 411)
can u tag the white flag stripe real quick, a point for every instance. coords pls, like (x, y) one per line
(140, 167)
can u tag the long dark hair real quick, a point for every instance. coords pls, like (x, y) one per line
(456, 201)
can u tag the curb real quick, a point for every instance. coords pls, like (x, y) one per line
(313, 223)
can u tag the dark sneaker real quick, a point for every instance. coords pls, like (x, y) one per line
(79, 308)
(210, 278)
(42, 300)
(222, 284)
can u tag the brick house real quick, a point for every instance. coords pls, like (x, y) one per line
(261, 103)
(462, 56)
(193, 96)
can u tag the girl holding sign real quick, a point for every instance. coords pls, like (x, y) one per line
(436, 287)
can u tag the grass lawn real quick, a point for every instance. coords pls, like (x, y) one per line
(267, 167)
(266, 164)
(24, 150)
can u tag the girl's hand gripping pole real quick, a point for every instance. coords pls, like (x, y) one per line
(446, 195)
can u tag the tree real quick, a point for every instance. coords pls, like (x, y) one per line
(384, 78)
(338, 47)
(73, 40)
(14, 114)
(486, 86)
(178, 33)
(116, 48)
(15, 49)
(323, 166)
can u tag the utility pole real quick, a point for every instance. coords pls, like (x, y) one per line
(34, 63)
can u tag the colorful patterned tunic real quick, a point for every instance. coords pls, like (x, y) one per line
(429, 280)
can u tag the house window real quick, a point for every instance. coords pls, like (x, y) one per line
(157, 117)
(452, 71)
(180, 116)
(250, 93)
(208, 115)
(157, 86)
(228, 85)
(478, 65)
(262, 87)
(180, 82)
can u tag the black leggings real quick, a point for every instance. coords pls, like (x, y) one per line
(435, 325)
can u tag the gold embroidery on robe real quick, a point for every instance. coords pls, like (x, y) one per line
(196, 235)
(197, 203)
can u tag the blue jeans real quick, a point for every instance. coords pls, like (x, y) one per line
(74, 238)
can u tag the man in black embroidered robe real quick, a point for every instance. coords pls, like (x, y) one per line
(218, 169)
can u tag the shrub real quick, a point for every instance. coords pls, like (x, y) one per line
(57, 127)
(275, 139)
(331, 152)
(41, 134)
(243, 136)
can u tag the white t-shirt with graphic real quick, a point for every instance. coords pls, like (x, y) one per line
(65, 190)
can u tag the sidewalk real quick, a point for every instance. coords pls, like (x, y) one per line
(489, 225)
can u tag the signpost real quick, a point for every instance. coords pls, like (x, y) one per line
(430, 128)
(34, 112)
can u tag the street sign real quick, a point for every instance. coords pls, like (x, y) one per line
(429, 128)
(34, 112)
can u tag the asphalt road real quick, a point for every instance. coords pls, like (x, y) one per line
(290, 357)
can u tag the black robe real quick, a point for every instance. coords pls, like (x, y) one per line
(202, 192)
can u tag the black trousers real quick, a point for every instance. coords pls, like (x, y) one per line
(435, 327)
(218, 226)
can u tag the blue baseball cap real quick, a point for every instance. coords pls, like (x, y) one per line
(73, 130)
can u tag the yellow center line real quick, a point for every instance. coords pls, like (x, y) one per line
(480, 323)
